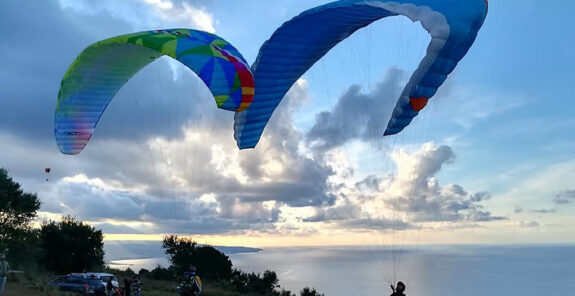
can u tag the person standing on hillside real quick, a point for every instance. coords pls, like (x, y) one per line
(4, 269)
(127, 287)
(110, 288)
(190, 283)
(137, 286)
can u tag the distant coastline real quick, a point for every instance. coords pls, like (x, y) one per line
(149, 254)
(228, 250)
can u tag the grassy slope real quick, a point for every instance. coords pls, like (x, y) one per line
(149, 288)
(168, 288)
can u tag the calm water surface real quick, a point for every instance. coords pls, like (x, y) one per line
(427, 271)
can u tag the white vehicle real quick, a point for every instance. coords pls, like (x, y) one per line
(105, 277)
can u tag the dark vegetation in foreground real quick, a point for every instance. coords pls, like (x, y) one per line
(69, 245)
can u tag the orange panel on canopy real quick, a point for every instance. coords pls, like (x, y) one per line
(418, 103)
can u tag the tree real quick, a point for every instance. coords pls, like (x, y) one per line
(71, 246)
(283, 293)
(257, 284)
(24, 251)
(17, 211)
(162, 274)
(143, 272)
(185, 252)
(309, 292)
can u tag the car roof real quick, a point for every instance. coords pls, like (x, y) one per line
(98, 274)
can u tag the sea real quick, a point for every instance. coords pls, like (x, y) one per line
(462, 270)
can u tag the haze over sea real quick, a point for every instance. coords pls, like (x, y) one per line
(427, 270)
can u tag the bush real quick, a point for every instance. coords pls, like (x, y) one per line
(255, 283)
(210, 263)
(161, 274)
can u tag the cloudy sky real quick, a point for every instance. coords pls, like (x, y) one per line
(490, 160)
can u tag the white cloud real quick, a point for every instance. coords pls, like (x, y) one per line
(351, 119)
(411, 195)
(91, 200)
(564, 197)
(149, 14)
(416, 191)
(183, 13)
(528, 224)
(196, 180)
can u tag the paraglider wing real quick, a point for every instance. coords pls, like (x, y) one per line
(103, 68)
(47, 171)
(300, 42)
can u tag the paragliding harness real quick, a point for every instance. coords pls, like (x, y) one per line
(399, 290)
(191, 285)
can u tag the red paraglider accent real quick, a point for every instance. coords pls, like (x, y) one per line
(418, 103)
